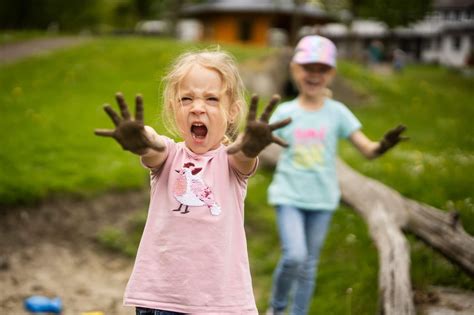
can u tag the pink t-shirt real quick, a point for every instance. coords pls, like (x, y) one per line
(192, 256)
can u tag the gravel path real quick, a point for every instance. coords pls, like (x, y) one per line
(15, 51)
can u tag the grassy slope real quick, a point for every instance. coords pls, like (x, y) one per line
(51, 104)
(433, 167)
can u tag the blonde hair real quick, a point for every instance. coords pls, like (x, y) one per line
(225, 65)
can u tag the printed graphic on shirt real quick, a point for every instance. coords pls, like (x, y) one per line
(309, 147)
(191, 191)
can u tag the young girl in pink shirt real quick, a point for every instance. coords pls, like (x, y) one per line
(192, 257)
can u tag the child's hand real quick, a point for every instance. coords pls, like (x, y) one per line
(390, 139)
(258, 133)
(129, 132)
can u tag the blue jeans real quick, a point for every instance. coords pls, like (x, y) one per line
(302, 234)
(149, 311)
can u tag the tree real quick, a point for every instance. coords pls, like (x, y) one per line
(392, 12)
(39, 14)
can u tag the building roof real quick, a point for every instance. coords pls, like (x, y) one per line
(255, 6)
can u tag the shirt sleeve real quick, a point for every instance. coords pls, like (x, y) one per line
(348, 122)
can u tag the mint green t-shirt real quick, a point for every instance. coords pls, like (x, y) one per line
(305, 175)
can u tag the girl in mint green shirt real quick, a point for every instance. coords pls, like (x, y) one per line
(304, 189)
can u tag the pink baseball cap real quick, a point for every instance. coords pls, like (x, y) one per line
(315, 48)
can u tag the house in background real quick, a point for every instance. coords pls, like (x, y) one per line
(448, 33)
(355, 43)
(444, 36)
(256, 22)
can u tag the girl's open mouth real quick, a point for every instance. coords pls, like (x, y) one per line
(312, 82)
(199, 131)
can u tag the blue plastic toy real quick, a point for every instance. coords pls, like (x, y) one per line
(42, 304)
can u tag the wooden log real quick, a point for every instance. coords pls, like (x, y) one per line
(439, 229)
(375, 204)
(388, 214)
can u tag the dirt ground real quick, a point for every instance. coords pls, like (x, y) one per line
(51, 250)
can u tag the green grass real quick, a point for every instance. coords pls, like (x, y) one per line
(51, 104)
(434, 166)
(436, 106)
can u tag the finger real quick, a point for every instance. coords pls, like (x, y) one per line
(234, 148)
(279, 141)
(123, 106)
(280, 124)
(269, 108)
(139, 108)
(402, 126)
(112, 114)
(399, 129)
(104, 132)
(253, 108)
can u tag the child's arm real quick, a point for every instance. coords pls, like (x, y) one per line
(258, 134)
(133, 135)
(371, 149)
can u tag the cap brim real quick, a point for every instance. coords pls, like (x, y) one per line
(306, 60)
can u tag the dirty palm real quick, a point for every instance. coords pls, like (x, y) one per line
(130, 132)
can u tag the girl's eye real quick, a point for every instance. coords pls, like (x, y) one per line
(186, 100)
(212, 101)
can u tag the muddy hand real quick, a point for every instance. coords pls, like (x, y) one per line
(391, 138)
(129, 132)
(258, 133)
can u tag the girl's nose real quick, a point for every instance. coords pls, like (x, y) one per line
(198, 107)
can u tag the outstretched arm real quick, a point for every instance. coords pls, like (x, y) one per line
(258, 134)
(371, 149)
(133, 135)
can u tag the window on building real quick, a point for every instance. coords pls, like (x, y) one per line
(446, 15)
(426, 43)
(436, 16)
(437, 43)
(455, 15)
(245, 30)
(456, 40)
(452, 15)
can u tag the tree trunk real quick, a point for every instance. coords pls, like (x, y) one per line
(387, 214)
(296, 22)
